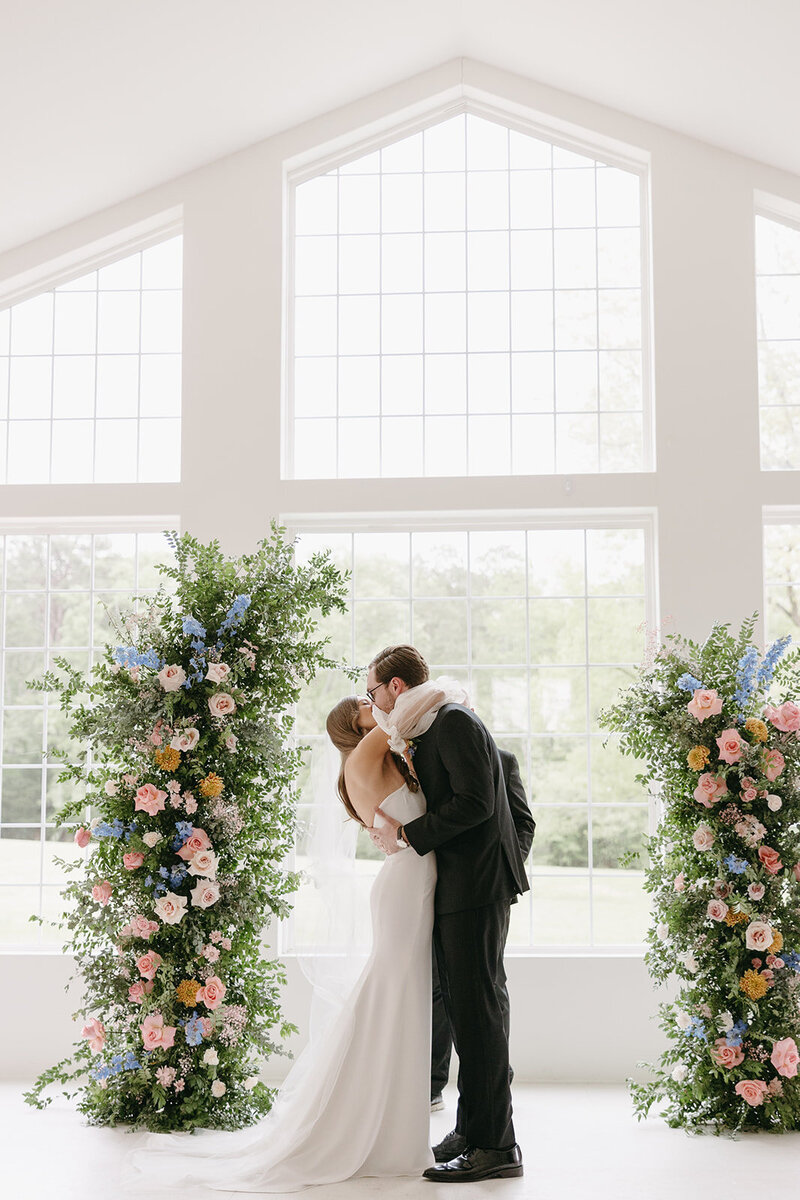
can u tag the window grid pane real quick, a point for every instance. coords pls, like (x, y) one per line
(778, 331)
(90, 376)
(512, 277)
(52, 586)
(513, 614)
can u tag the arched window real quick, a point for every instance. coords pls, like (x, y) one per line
(468, 300)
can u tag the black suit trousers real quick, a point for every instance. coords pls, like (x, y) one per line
(469, 954)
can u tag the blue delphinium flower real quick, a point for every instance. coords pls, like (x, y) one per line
(234, 615)
(193, 1030)
(184, 832)
(745, 679)
(105, 829)
(129, 656)
(792, 959)
(770, 661)
(697, 1029)
(736, 866)
(688, 683)
(734, 1035)
(193, 628)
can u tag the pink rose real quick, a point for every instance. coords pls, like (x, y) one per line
(770, 859)
(774, 762)
(171, 908)
(82, 837)
(156, 738)
(205, 893)
(221, 704)
(759, 936)
(717, 910)
(786, 718)
(704, 703)
(150, 799)
(679, 883)
(709, 789)
(171, 677)
(752, 1091)
(155, 1034)
(703, 837)
(756, 890)
(785, 1058)
(197, 840)
(725, 1055)
(101, 892)
(185, 741)
(203, 863)
(213, 993)
(206, 1026)
(94, 1031)
(730, 746)
(721, 889)
(148, 964)
(132, 860)
(231, 742)
(218, 672)
(749, 794)
(137, 991)
(777, 964)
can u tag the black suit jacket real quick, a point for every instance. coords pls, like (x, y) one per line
(468, 822)
(521, 814)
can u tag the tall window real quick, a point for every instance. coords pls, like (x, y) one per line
(782, 575)
(778, 291)
(57, 588)
(543, 625)
(90, 376)
(468, 300)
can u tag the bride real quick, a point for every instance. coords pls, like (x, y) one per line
(348, 1108)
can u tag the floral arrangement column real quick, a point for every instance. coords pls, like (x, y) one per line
(189, 723)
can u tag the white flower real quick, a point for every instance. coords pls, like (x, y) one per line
(218, 672)
(171, 677)
(682, 1019)
(251, 1083)
(111, 787)
(170, 908)
(774, 802)
(689, 961)
(662, 931)
(218, 1088)
(95, 821)
(724, 1022)
(205, 894)
(152, 838)
(211, 1057)
(679, 1072)
(185, 741)
(231, 742)
(221, 704)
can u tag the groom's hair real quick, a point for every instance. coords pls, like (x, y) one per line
(401, 662)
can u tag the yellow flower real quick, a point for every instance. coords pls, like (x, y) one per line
(211, 786)
(698, 757)
(735, 918)
(168, 759)
(757, 728)
(753, 985)
(777, 942)
(187, 990)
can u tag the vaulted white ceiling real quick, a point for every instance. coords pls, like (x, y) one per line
(102, 99)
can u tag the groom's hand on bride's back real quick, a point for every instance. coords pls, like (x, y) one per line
(384, 835)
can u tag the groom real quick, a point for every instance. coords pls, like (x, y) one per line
(480, 870)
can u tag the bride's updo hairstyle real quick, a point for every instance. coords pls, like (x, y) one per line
(345, 733)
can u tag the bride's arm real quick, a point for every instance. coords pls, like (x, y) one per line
(364, 773)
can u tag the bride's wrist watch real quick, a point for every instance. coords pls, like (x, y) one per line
(401, 841)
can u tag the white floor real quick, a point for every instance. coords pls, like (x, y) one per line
(579, 1143)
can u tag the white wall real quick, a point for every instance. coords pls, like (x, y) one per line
(708, 476)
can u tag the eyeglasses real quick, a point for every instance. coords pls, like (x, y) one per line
(371, 692)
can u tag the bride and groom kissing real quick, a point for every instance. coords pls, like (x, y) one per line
(422, 773)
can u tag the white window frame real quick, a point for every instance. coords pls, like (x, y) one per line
(520, 120)
(482, 521)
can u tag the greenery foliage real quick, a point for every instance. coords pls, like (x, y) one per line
(720, 734)
(188, 767)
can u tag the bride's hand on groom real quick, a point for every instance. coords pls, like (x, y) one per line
(384, 834)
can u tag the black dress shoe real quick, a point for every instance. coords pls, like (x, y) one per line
(476, 1164)
(450, 1147)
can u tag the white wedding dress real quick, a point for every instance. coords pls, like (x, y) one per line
(358, 1101)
